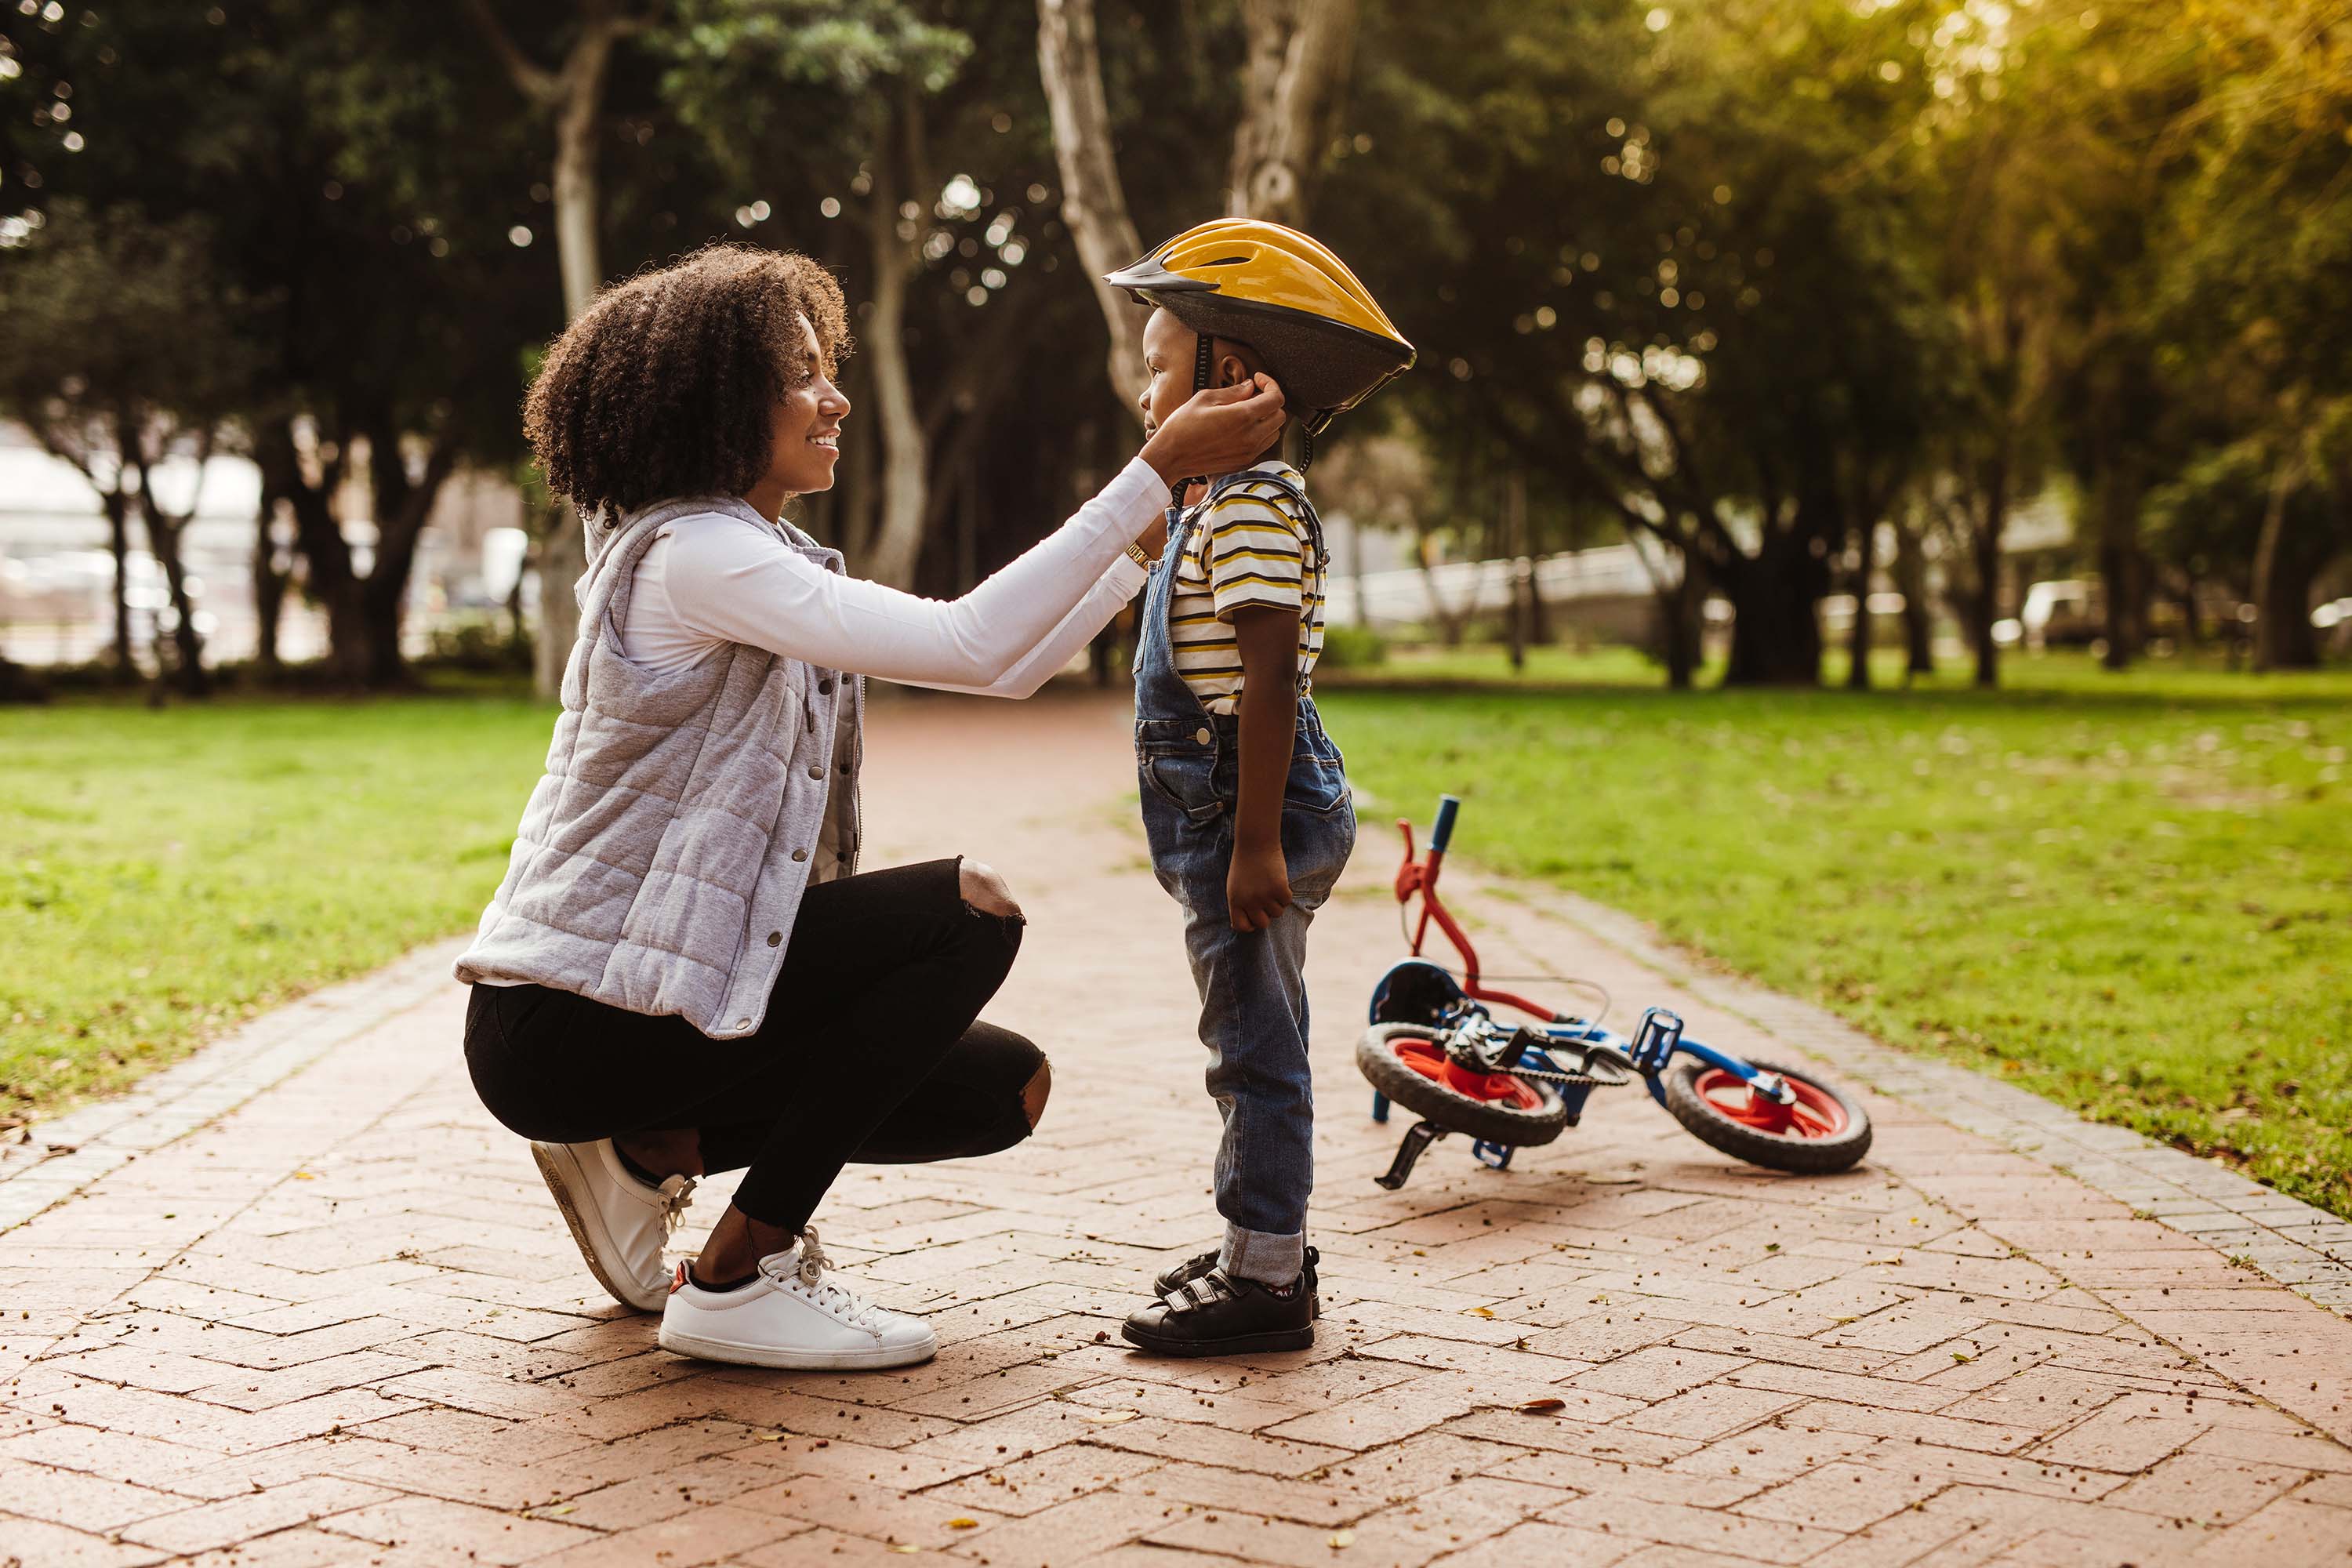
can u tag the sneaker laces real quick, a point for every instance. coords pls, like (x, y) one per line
(677, 1196)
(803, 1273)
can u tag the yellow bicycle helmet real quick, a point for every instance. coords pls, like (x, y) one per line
(1288, 298)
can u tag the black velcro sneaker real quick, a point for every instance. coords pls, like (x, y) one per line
(1217, 1314)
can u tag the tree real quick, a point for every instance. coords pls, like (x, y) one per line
(2257, 258)
(570, 95)
(369, 296)
(1094, 203)
(1298, 68)
(1648, 332)
(117, 360)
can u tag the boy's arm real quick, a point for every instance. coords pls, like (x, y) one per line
(1258, 887)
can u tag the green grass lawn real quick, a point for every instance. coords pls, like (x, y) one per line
(165, 874)
(2132, 894)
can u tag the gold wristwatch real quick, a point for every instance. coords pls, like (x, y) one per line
(1135, 553)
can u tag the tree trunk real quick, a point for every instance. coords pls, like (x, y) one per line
(1299, 52)
(1682, 628)
(319, 535)
(403, 505)
(1919, 610)
(1514, 524)
(1094, 203)
(117, 506)
(906, 462)
(268, 588)
(2123, 567)
(861, 490)
(2282, 578)
(563, 556)
(187, 643)
(163, 532)
(575, 95)
(1984, 548)
(1775, 631)
(1857, 640)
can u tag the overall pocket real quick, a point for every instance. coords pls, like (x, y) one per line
(1186, 780)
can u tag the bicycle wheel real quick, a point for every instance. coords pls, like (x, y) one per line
(1823, 1131)
(1407, 1063)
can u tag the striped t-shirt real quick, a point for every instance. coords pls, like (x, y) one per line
(1250, 547)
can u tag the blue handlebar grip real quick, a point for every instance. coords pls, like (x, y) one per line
(1442, 830)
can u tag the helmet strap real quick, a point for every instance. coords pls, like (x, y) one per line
(1204, 370)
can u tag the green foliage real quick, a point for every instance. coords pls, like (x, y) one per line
(1352, 648)
(164, 875)
(2128, 894)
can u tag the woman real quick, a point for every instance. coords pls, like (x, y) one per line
(683, 970)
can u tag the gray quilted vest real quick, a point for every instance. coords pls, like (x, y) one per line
(662, 857)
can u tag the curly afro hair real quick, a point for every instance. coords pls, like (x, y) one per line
(668, 384)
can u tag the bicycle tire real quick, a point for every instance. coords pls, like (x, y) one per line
(1797, 1154)
(1377, 1059)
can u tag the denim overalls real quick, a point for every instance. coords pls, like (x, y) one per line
(1253, 991)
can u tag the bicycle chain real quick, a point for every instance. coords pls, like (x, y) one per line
(1565, 1079)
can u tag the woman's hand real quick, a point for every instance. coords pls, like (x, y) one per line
(1218, 430)
(985, 890)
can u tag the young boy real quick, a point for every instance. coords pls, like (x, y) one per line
(1244, 797)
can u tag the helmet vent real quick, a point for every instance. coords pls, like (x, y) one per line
(1226, 261)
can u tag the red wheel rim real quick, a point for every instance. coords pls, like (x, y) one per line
(1814, 1113)
(1428, 1059)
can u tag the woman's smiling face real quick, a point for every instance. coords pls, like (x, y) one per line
(807, 433)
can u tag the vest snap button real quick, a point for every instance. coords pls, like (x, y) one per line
(775, 939)
(742, 1023)
(1201, 735)
(800, 853)
(825, 688)
(816, 770)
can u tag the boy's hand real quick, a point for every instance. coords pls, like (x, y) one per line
(1218, 430)
(1258, 887)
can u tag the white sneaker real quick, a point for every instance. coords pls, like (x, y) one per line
(790, 1315)
(620, 1223)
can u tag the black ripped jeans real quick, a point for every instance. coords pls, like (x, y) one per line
(869, 1050)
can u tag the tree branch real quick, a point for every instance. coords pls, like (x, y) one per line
(534, 81)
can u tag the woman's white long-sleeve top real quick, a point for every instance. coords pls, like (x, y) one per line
(709, 583)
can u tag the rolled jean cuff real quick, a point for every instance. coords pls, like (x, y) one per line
(1260, 1256)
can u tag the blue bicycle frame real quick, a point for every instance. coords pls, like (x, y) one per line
(1655, 1042)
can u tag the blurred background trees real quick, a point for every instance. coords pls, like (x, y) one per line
(1803, 303)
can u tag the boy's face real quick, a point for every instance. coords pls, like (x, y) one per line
(1170, 350)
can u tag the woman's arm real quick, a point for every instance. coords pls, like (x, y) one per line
(732, 583)
(1103, 602)
(767, 596)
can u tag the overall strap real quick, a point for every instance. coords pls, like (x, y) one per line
(1288, 487)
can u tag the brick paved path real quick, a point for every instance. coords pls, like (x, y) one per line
(299, 1301)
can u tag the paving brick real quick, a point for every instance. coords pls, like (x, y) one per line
(234, 1520)
(363, 1335)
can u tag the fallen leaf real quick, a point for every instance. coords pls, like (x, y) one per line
(1481, 1312)
(306, 1175)
(963, 1524)
(1110, 1417)
(1339, 1540)
(554, 1512)
(767, 1436)
(1537, 1406)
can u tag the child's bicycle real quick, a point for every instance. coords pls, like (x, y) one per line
(1436, 1049)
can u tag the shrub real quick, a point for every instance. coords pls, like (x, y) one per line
(1353, 648)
